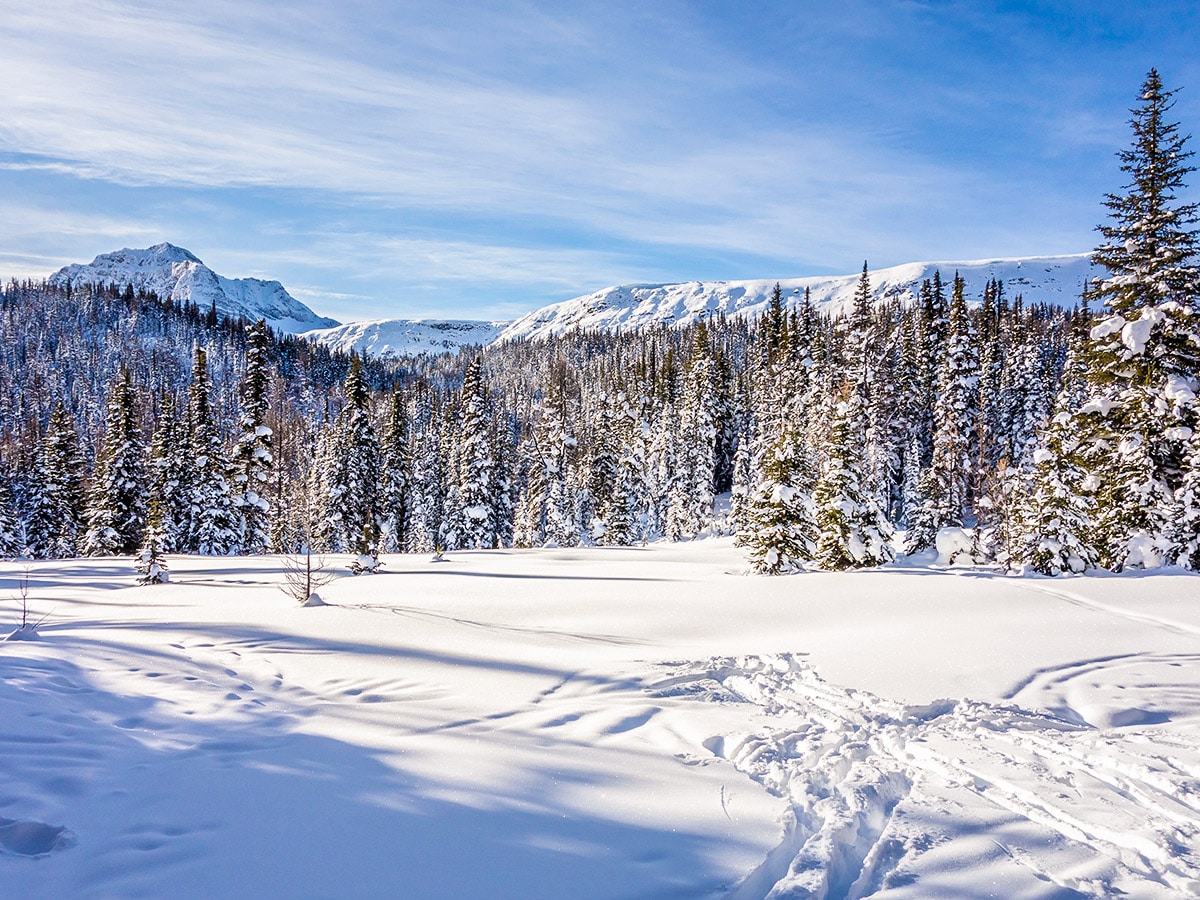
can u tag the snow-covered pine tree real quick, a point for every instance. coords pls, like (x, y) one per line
(41, 508)
(150, 564)
(690, 504)
(780, 525)
(529, 519)
(11, 543)
(620, 521)
(252, 454)
(604, 466)
(428, 478)
(54, 495)
(558, 448)
(214, 525)
(859, 335)
(1186, 510)
(956, 411)
(172, 482)
(741, 490)
(1142, 357)
(454, 520)
(1051, 523)
(116, 514)
(394, 501)
(851, 530)
(924, 515)
(477, 477)
(354, 491)
(662, 468)
(1150, 250)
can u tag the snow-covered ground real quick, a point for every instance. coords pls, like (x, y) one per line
(642, 722)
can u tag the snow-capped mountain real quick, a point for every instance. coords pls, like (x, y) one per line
(1051, 279)
(171, 271)
(407, 337)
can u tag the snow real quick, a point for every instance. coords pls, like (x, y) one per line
(1135, 334)
(1111, 325)
(1058, 280)
(407, 337)
(600, 722)
(173, 272)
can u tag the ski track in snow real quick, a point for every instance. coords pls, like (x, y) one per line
(1089, 603)
(1085, 812)
(141, 749)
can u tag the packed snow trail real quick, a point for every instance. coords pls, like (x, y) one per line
(878, 791)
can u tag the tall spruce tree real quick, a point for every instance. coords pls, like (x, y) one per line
(171, 477)
(478, 479)
(213, 523)
(116, 515)
(10, 528)
(252, 454)
(780, 527)
(356, 470)
(1142, 356)
(394, 502)
(54, 494)
(851, 529)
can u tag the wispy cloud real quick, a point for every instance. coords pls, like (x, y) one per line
(550, 148)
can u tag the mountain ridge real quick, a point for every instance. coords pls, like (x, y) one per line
(171, 271)
(1054, 279)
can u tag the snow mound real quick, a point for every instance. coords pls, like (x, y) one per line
(173, 272)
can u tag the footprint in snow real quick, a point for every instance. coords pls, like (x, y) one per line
(25, 837)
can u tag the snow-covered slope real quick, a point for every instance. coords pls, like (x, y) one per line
(593, 723)
(1052, 279)
(171, 271)
(407, 337)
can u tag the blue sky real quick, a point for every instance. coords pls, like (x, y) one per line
(477, 160)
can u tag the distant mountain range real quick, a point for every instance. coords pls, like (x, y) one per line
(407, 337)
(172, 271)
(1051, 279)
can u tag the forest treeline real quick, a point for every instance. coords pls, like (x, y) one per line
(1057, 439)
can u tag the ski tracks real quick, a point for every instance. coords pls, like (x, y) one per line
(873, 786)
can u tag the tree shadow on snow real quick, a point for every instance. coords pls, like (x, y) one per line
(163, 804)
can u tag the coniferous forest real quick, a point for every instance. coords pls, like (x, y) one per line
(1005, 430)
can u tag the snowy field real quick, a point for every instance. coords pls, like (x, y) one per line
(623, 723)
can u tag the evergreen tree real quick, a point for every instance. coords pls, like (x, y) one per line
(780, 530)
(356, 464)
(1053, 515)
(213, 523)
(1142, 357)
(116, 514)
(478, 478)
(252, 454)
(150, 564)
(690, 507)
(55, 496)
(1186, 512)
(172, 481)
(956, 412)
(852, 531)
(10, 529)
(1150, 250)
(397, 476)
